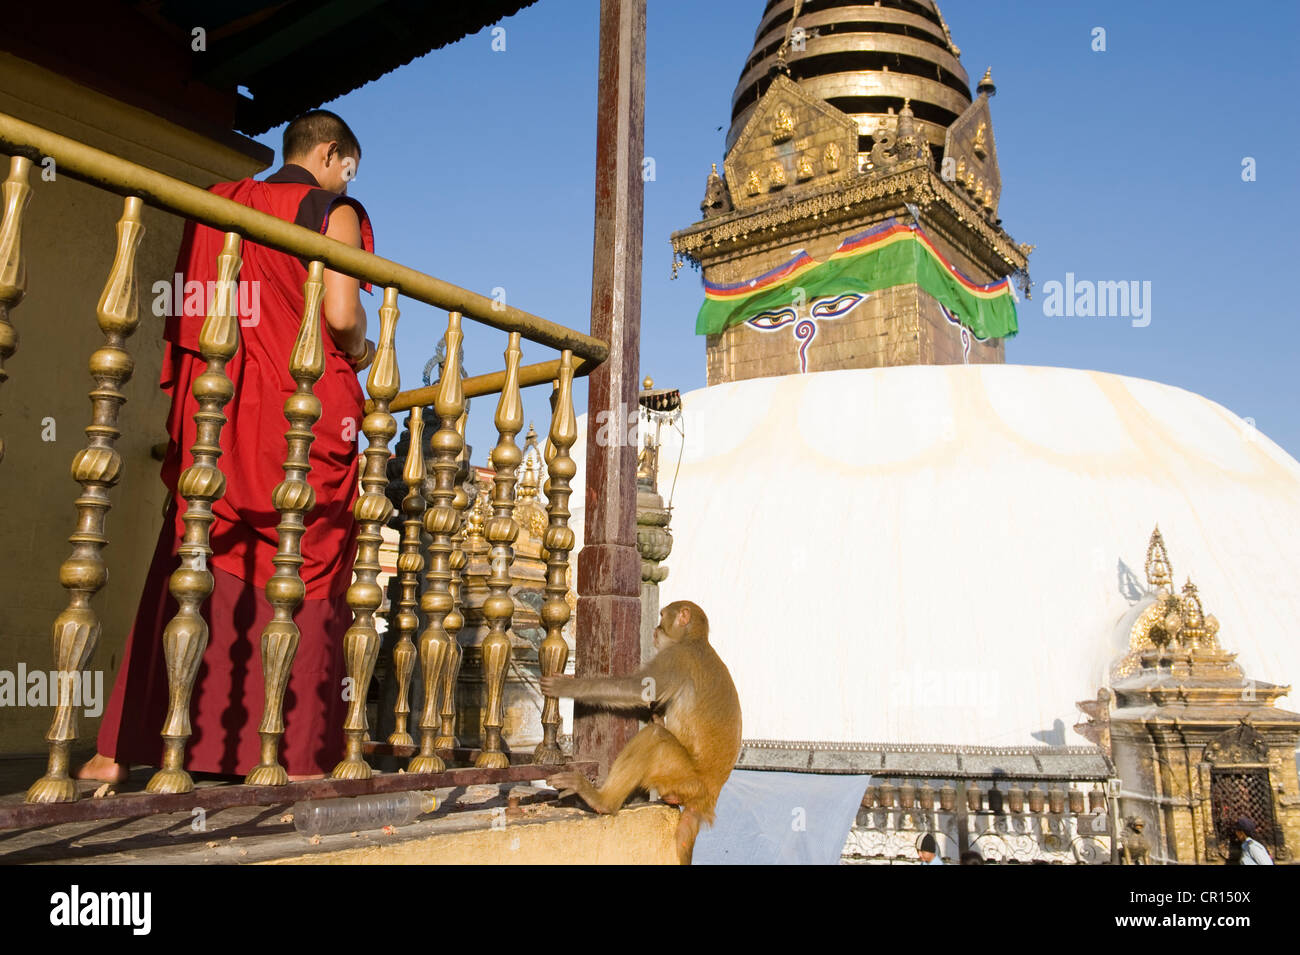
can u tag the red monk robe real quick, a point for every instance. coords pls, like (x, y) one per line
(229, 691)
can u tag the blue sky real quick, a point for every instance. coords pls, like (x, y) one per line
(1118, 165)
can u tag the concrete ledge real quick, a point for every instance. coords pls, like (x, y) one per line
(640, 835)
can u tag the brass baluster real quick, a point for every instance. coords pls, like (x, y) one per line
(454, 622)
(410, 561)
(96, 468)
(553, 654)
(372, 510)
(294, 499)
(441, 521)
(13, 270)
(186, 634)
(501, 531)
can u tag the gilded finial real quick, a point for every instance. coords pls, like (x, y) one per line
(648, 383)
(474, 521)
(1193, 616)
(530, 470)
(1160, 573)
(986, 84)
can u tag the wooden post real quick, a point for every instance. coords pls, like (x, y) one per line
(609, 567)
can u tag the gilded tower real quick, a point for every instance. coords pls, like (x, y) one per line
(855, 220)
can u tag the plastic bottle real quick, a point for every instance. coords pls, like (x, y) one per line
(323, 817)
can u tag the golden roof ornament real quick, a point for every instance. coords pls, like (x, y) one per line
(952, 47)
(1172, 621)
(776, 175)
(1160, 573)
(715, 199)
(906, 128)
(783, 124)
(1193, 632)
(475, 542)
(530, 468)
(646, 462)
(986, 85)
(831, 157)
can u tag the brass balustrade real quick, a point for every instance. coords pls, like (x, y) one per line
(293, 498)
(114, 174)
(372, 510)
(454, 622)
(186, 634)
(409, 564)
(446, 511)
(440, 521)
(477, 386)
(13, 274)
(558, 541)
(96, 468)
(501, 531)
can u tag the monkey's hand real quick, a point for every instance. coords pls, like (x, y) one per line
(575, 784)
(557, 685)
(566, 783)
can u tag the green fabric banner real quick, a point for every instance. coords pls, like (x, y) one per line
(882, 258)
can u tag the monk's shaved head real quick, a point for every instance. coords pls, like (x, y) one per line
(315, 127)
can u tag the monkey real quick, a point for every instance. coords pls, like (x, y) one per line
(1133, 843)
(688, 749)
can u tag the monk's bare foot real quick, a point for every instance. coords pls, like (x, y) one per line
(103, 769)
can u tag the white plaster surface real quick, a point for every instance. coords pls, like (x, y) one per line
(942, 554)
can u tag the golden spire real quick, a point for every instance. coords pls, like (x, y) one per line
(530, 470)
(1160, 573)
(986, 84)
(1193, 615)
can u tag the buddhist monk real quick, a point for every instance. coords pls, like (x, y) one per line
(321, 157)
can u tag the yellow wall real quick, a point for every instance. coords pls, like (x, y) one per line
(640, 835)
(68, 244)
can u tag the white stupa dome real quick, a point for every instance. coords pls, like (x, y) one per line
(944, 554)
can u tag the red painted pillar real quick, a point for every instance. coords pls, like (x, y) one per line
(609, 567)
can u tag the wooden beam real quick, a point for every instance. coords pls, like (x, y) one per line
(212, 798)
(609, 567)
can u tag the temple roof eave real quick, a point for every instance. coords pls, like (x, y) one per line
(1209, 719)
(917, 184)
(937, 761)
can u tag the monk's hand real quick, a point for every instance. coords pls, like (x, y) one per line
(362, 362)
(556, 685)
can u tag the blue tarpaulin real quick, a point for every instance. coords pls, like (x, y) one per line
(781, 819)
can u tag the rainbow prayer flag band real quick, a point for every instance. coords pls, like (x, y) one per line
(889, 254)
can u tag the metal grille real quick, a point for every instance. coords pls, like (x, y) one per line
(1243, 792)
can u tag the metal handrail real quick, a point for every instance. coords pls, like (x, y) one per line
(489, 384)
(114, 174)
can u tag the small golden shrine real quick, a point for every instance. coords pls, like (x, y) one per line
(1197, 743)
